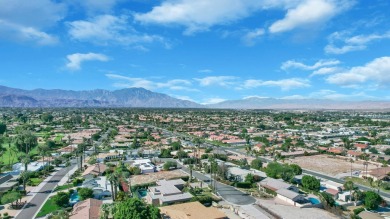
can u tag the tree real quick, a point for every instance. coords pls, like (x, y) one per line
(373, 150)
(372, 200)
(26, 141)
(25, 176)
(311, 183)
(59, 214)
(257, 164)
(61, 199)
(169, 165)
(249, 178)
(111, 179)
(10, 197)
(46, 117)
(85, 193)
(349, 185)
(296, 168)
(3, 128)
(273, 170)
(176, 146)
(191, 167)
(182, 154)
(387, 151)
(136, 209)
(328, 199)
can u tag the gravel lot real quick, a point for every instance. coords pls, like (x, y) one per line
(328, 165)
(153, 177)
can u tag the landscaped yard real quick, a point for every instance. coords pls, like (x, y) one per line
(35, 181)
(63, 187)
(48, 208)
(11, 157)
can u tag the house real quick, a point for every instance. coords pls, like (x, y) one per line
(239, 174)
(7, 182)
(345, 196)
(274, 185)
(377, 174)
(87, 209)
(361, 147)
(191, 210)
(369, 215)
(108, 156)
(167, 192)
(100, 186)
(290, 196)
(94, 170)
(354, 154)
(145, 165)
(333, 185)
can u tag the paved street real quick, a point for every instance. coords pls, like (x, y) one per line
(229, 193)
(33, 206)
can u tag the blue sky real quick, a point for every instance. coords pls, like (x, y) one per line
(205, 51)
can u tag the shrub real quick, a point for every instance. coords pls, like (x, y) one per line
(245, 185)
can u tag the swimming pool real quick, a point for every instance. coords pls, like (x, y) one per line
(314, 201)
(142, 192)
(74, 198)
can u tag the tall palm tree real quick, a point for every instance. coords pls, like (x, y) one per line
(351, 161)
(191, 168)
(349, 185)
(111, 179)
(25, 175)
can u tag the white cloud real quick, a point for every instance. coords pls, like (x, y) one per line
(255, 96)
(107, 29)
(26, 21)
(175, 84)
(349, 44)
(75, 60)
(25, 34)
(308, 12)
(334, 95)
(198, 15)
(325, 71)
(298, 65)
(205, 71)
(284, 84)
(376, 71)
(293, 97)
(216, 80)
(251, 37)
(213, 100)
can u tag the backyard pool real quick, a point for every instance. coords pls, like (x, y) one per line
(74, 198)
(142, 193)
(314, 201)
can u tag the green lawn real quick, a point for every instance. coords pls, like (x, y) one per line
(363, 182)
(58, 138)
(48, 208)
(35, 181)
(10, 157)
(64, 187)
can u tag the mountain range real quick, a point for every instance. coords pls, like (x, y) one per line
(129, 97)
(140, 97)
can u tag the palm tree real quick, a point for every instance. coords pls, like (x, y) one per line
(26, 161)
(191, 168)
(378, 184)
(351, 160)
(371, 181)
(349, 185)
(111, 178)
(105, 211)
(25, 175)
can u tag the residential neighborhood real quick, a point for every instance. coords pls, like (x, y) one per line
(231, 164)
